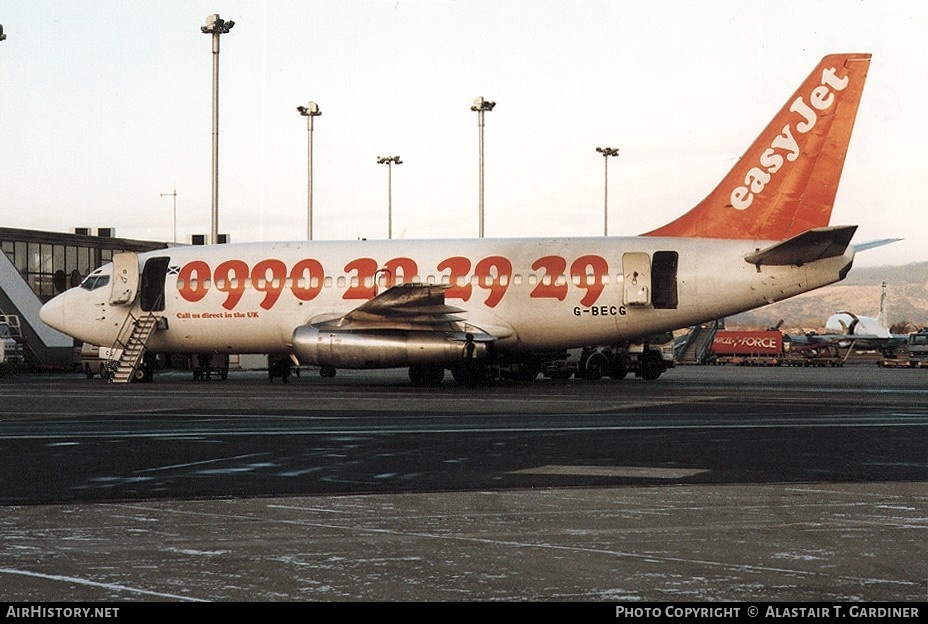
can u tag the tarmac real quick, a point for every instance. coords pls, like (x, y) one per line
(591, 510)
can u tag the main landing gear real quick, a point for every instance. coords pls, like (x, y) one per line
(426, 375)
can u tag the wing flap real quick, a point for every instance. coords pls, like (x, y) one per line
(405, 306)
(812, 245)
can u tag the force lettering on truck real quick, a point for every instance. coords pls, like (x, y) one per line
(487, 280)
(732, 342)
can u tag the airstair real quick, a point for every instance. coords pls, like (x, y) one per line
(137, 332)
(697, 343)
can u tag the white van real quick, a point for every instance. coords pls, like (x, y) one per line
(98, 360)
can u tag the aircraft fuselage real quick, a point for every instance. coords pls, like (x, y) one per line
(531, 294)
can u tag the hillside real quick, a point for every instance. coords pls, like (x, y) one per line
(906, 300)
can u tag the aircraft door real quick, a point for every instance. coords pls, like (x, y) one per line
(637, 269)
(664, 279)
(151, 295)
(125, 278)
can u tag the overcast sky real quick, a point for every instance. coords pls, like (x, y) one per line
(106, 105)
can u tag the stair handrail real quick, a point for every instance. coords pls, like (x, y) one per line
(125, 332)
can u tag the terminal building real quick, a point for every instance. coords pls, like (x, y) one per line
(34, 267)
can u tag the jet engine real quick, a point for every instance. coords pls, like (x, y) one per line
(386, 348)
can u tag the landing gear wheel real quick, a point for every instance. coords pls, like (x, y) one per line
(621, 367)
(327, 371)
(595, 367)
(528, 372)
(468, 374)
(426, 375)
(651, 367)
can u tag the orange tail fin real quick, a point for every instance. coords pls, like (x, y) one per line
(786, 182)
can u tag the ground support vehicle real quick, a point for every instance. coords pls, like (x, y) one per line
(747, 348)
(824, 354)
(279, 366)
(648, 360)
(205, 365)
(96, 360)
(11, 353)
(915, 354)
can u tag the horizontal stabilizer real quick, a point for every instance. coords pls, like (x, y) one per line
(875, 243)
(815, 244)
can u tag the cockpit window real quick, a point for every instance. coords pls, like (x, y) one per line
(95, 281)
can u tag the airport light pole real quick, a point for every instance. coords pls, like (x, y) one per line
(481, 106)
(606, 152)
(389, 161)
(216, 26)
(174, 195)
(309, 111)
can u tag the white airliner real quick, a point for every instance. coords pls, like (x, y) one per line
(851, 324)
(470, 305)
(866, 332)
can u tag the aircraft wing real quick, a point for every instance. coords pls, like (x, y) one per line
(405, 306)
(814, 244)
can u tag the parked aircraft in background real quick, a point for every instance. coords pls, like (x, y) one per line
(477, 305)
(850, 324)
(865, 331)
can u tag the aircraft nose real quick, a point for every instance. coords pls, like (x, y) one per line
(53, 313)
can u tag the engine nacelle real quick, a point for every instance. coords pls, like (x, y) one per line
(385, 348)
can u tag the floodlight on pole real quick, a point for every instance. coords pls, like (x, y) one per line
(309, 111)
(480, 107)
(606, 152)
(174, 195)
(216, 26)
(389, 161)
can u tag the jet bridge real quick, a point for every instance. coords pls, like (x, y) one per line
(43, 345)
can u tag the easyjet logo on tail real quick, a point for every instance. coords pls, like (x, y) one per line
(785, 145)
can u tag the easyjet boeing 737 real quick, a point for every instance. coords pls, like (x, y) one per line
(470, 305)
